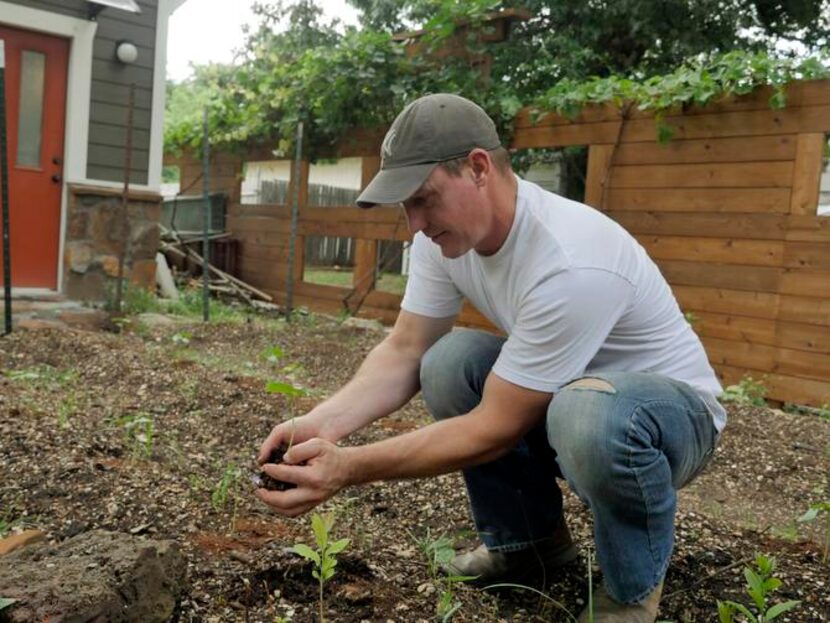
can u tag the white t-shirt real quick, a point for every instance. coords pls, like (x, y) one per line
(576, 295)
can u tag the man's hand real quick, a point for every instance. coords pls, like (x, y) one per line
(291, 432)
(318, 467)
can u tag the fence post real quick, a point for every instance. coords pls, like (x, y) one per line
(366, 251)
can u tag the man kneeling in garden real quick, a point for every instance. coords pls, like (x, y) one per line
(600, 379)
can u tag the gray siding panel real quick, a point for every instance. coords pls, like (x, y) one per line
(116, 136)
(113, 93)
(110, 83)
(110, 86)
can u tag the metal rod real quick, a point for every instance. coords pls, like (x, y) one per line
(295, 214)
(205, 219)
(125, 198)
(4, 196)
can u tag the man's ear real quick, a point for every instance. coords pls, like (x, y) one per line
(480, 165)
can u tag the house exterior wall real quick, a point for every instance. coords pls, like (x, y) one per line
(110, 87)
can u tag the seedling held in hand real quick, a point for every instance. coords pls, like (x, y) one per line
(325, 557)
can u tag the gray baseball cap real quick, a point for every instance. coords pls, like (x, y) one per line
(430, 130)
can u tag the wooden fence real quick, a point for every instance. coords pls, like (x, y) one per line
(727, 209)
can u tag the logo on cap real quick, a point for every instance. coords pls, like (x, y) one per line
(386, 147)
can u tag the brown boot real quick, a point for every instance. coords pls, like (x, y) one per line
(492, 567)
(606, 610)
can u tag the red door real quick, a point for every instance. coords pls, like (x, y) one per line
(36, 67)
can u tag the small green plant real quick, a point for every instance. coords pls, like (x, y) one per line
(324, 558)
(272, 354)
(139, 430)
(439, 551)
(811, 515)
(226, 486)
(66, 408)
(182, 338)
(760, 585)
(692, 319)
(747, 392)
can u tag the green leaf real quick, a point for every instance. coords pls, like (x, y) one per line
(287, 389)
(337, 547)
(751, 618)
(320, 530)
(306, 552)
(726, 613)
(810, 515)
(779, 609)
(5, 602)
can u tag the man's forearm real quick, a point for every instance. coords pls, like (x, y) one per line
(387, 379)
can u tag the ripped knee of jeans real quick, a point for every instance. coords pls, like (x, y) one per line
(592, 384)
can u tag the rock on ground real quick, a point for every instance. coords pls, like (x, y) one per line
(96, 576)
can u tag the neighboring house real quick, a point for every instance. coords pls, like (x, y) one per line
(69, 67)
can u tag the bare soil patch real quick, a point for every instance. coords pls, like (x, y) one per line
(154, 431)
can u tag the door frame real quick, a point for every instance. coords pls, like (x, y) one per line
(81, 34)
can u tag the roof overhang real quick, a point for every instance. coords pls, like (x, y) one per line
(96, 6)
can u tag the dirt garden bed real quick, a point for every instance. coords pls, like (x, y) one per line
(153, 432)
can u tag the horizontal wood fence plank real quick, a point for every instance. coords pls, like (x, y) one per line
(805, 283)
(754, 200)
(731, 277)
(788, 335)
(804, 309)
(808, 228)
(812, 255)
(734, 328)
(740, 354)
(740, 226)
(723, 175)
(743, 149)
(725, 301)
(723, 250)
(564, 135)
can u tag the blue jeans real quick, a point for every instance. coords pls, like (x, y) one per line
(625, 442)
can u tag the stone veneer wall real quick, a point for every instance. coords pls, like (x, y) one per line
(94, 240)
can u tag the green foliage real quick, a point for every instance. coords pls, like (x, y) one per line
(820, 508)
(44, 376)
(139, 430)
(747, 392)
(695, 83)
(296, 67)
(66, 408)
(272, 354)
(439, 551)
(324, 558)
(286, 389)
(226, 486)
(760, 585)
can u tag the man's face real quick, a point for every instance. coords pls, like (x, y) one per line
(449, 210)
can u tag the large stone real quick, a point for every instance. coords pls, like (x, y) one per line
(76, 226)
(87, 287)
(96, 576)
(78, 257)
(145, 240)
(143, 274)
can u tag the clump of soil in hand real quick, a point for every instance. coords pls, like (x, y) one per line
(262, 480)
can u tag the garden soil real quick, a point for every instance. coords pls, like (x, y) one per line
(153, 431)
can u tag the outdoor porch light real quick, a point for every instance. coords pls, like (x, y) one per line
(126, 52)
